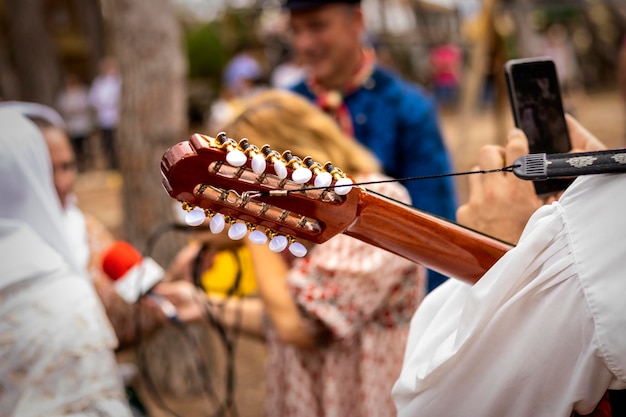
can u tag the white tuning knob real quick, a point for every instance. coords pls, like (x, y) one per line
(342, 186)
(258, 164)
(280, 168)
(278, 243)
(237, 231)
(236, 158)
(297, 249)
(217, 223)
(323, 179)
(257, 237)
(195, 217)
(301, 175)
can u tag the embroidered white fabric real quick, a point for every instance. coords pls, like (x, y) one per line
(56, 356)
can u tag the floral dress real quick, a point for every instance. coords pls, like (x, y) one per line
(358, 300)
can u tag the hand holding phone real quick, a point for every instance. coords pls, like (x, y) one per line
(537, 107)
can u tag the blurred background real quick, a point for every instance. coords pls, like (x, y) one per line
(172, 57)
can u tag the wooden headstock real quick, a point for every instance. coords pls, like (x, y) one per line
(196, 172)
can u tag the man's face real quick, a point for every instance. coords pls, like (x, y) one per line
(328, 39)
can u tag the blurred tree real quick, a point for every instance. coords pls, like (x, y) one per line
(205, 52)
(148, 44)
(45, 39)
(36, 64)
(206, 59)
(89, 18)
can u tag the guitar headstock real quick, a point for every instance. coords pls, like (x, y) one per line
(249, 190)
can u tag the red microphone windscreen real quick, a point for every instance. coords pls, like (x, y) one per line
(119, 258)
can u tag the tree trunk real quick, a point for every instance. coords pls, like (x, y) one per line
(36, 62)
(147, 41)
(92, 28)
(487, 57)
(9, 84)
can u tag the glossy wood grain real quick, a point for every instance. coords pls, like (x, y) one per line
(436, 243)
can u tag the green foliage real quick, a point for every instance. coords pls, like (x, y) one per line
(212, 45)
(240, 25)
(205, 52)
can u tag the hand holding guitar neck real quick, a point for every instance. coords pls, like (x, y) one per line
(276, 200)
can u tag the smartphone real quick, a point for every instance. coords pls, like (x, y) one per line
(537, 107)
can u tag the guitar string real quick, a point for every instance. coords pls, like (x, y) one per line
(508, 168)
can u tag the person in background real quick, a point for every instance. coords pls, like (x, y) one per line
(541, 333)
(446, 61)
(336, 320)
(215, 263)
(73, 104)
(242, 79)
(104, 97)
(395, 119)
(242, 72)
(289, 71)
(559, 46)
(221, 267)
(90, 239)
(57, 355)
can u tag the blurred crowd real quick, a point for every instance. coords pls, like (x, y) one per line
(341, 328)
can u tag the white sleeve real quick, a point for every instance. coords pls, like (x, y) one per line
(521, 342)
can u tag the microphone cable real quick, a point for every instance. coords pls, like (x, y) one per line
(230, 342)
(223, 408)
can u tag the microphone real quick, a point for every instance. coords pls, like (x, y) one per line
(541, 166)
(134, 276)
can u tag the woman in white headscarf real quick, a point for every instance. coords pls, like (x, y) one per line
(56, 345)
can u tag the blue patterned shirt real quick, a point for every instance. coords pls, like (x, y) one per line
(399, 123)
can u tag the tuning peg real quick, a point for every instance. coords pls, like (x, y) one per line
(342, 182)
(300, 174)
(274, 157)
(234, 156)
(257, 159)
(195, 217)
(297, 249)
(217, 223)
(322, 178)
(278, 243)
(237, 231)
(257, 237)
(343, 185)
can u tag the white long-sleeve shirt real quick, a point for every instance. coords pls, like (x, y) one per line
(543, 333)
(104, 96)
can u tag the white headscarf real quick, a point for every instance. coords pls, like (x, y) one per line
(29, 109)
(27, 193)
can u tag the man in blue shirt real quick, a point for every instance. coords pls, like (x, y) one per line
(396, 120)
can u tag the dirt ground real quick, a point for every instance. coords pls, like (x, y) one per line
(98, 193)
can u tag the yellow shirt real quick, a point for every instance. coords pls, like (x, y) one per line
(230, 266)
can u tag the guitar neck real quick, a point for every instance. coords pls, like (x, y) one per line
(431, 241)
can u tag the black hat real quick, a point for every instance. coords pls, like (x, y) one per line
(312, 4)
